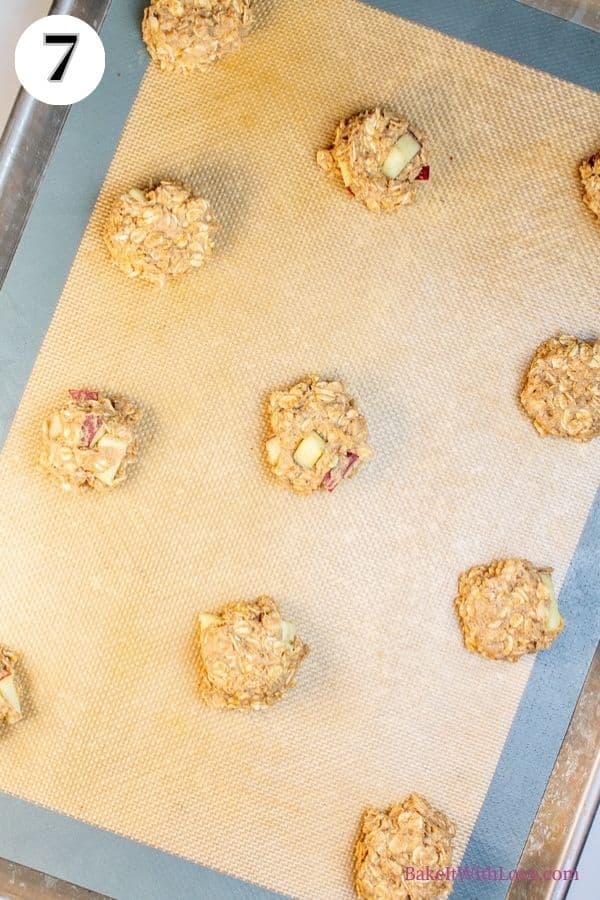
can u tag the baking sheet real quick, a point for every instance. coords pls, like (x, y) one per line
(369, 578)
(580, 12)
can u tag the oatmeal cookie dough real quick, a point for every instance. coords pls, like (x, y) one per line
(160, 234)
(377, 157)
(561, 393)
(90, 442)
(249, 655)
(590, 179)
(10, 700)
(317, 436)
(190, 35)
(507, 609)
(411, 833)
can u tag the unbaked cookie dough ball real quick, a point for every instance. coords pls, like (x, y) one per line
(189, 35)
(90, 442)
(249, 655)
(10, 700)
(590, 179)
(410, 835)
(377, 157)
(159, 234)
(561, 394)
(317, 436)
(507, 609)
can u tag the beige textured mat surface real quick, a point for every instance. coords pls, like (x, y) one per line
(430, 315)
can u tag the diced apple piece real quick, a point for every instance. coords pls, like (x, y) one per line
(554, 618)
(113, 452)
(109, 475)
(55, 428)
(273, 447)
(288, 632)
(83, 395)
(310, 450)
(332, 478)
(404, 150)
(205, 620)
(114, 448)
(113, 443)
(8, 690)
(91, 429)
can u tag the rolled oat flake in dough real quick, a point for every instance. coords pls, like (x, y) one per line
(590, 179)
(507, 608)
(90, 442)
(317, 437)
(10, 699)
(402, 840)
(190, 35)
(160, 234)
(379, 158)
(249, 655)
(561, 393)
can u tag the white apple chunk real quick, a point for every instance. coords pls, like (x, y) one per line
(310, 450)
(55, 428)
(205, 620)
(404, 150)
(113, 451)
(554, 618)
(113, 447)
(273, 447)
(8, 690)
(288, 632)
(109, 475)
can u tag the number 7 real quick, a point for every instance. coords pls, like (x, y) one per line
(59, 72)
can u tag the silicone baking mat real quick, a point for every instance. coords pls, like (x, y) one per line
(431, 316)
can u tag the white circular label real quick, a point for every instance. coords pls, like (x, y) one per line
(59, 60)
